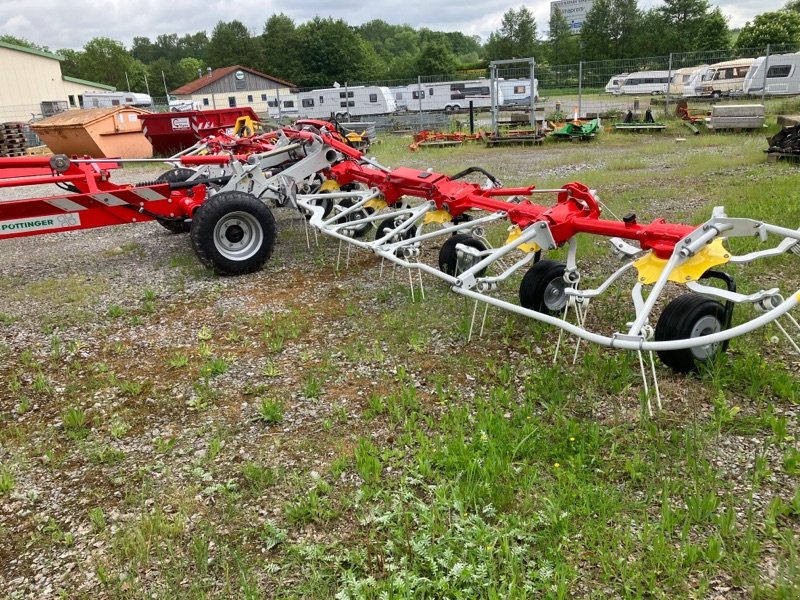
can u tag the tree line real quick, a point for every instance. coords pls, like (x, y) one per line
(323, 50)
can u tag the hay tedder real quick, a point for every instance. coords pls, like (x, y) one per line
(222, 200)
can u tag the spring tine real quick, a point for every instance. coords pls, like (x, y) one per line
(644, 381)
(421, 287)
(787, 336)
(383, 260)
(472, 321)
(560, 335)
(793, 320)
(483, 322)
(581, 313)
(308, 239)
(411, 284)
(347, 260)
(339, 256)
(655, 380)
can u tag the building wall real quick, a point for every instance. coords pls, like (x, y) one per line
(254, 98)
(27, 80)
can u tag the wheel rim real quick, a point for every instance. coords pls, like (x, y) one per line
(706, 326)
(554, 297)
(238, 236)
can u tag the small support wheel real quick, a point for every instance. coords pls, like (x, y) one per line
(690, 316)
(233, 233)
(385, 226)
(362, 228)
(177, 175)
(448, 255)
(716, 94)
(543, 288)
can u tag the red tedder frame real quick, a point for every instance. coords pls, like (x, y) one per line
(90, 199)
(575, 211)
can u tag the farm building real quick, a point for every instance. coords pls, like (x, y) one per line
(230, 87)
(33, 84)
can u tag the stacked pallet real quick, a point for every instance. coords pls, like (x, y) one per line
(785, 144)
(12, 139)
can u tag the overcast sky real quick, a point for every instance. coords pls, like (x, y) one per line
(71, 23)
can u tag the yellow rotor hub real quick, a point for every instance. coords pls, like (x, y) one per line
(650, 266)
(329, 185)
(514, 233)
(437, 216)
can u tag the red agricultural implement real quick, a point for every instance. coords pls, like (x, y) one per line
(223, 199)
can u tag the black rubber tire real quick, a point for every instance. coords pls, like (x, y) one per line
(542, 288)
(690, 315)
(177, 175)
(387, 225)
(716, 94)
(362, 229)
(325, 203)
(233, 233)
(448, 256)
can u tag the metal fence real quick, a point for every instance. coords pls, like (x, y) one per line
(592, 88)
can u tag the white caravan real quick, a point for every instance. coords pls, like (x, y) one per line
(450, 96)
(682, 77)
(518, 91)
(782, 76)
(615, 83)
(106, 99)
(356, 101)
(720, 79)
(645, 82)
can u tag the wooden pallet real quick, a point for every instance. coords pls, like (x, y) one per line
(11, 137)
(11, 154)
(788, 156)
(38, 151)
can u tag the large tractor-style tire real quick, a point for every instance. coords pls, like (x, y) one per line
(690, 316)
(542, 288)
(233, 233)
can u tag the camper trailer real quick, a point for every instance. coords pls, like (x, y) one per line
(107, 99)
(518, 91)
(342, 102)
(645, 82)
(613, 85)
(682, 77)
(782, 76)
(450, 96)
(720, 79)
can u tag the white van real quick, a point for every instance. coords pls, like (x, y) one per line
(106, 99)
(645, 82)
(614, 84)
(782, 75)
(450, 96)
(518, 91)
(720, 79)
(356, 101)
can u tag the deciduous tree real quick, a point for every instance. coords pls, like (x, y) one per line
(779, 27)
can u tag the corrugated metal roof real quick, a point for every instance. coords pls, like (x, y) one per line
(102, 86)
(217, 74)
(31, 51)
